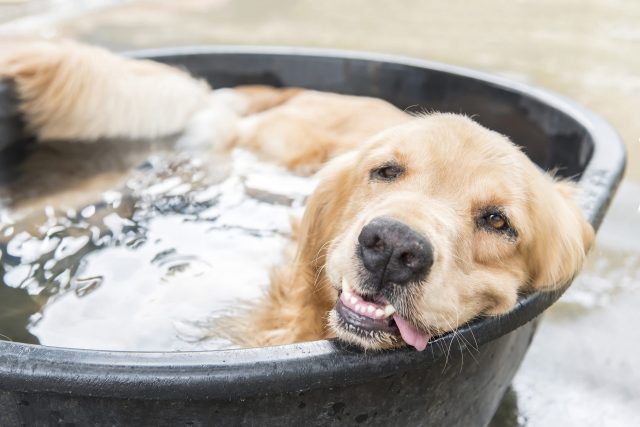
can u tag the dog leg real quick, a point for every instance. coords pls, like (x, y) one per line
(72, 91)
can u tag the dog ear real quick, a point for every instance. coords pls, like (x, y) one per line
(325, 209)
(565, 236)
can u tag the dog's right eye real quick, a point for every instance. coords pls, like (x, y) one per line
(387, 172)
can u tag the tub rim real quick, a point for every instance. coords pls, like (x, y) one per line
(226, 374)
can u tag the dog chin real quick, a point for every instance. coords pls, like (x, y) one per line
(367, 340)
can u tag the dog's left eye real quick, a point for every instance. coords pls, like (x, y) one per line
(494, 219)
(387, 172)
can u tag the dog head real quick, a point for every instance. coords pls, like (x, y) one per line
(432, 223)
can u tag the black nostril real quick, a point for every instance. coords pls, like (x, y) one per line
(371, 240)
(408, 259)
(392, 252)
(378, 244)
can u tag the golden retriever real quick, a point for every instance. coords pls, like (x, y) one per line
(418, 224)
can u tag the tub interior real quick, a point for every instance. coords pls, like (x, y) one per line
(151, 263)
(550, 138)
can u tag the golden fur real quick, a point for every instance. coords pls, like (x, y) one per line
(453, 170)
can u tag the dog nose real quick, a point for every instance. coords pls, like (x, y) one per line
(393, 252)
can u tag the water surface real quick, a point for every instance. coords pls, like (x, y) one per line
(154, 262)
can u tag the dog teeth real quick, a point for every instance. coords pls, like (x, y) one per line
(357, 304)
(389, 310)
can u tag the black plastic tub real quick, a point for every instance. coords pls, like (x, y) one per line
(323, 383)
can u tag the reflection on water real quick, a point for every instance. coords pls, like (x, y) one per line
(147, 266)
(17, 308)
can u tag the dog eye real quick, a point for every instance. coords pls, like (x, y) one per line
(388, 172)
(496, 221)
(493, 219)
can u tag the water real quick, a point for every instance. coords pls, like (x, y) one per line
(153, 263)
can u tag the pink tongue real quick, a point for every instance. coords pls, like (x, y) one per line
(411, 335)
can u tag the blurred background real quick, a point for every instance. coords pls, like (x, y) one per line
(582, 368)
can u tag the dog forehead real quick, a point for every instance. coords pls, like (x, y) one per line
(452, 142)
(446, 136)
(452, 158)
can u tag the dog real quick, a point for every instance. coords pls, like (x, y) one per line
(418, 225)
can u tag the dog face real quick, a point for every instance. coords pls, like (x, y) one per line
(432, 223)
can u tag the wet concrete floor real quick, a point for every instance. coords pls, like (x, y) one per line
(582, 368)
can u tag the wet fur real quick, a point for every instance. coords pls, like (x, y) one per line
(454, 167)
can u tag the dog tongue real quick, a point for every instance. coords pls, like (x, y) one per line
(411, 335)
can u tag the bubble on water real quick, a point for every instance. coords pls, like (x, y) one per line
(179, 190)
(88, 212)
(8, 231)
(198, 176)
(103, 241)
(61, 281)
(14, 246)
(55, 230)
(69, 246)
(161, 256)
(28, 249)
(35, 318)
(95, 233)
(116, 224)
(163, 186)
(207, 195)
(135, 242)
(176, 267)
(17, 276)
(172, 263)
(112, 198)
(86, 285)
